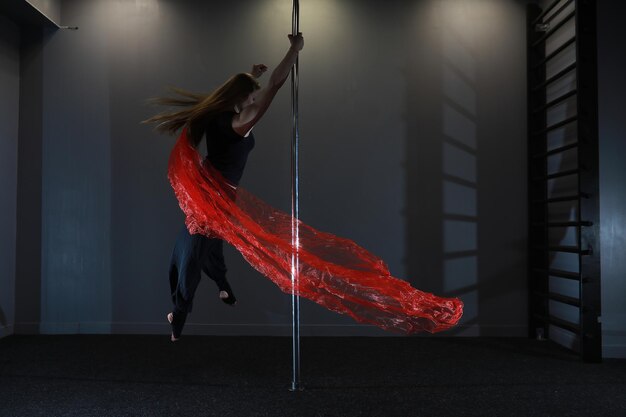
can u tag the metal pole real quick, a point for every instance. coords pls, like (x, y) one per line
(295, 210)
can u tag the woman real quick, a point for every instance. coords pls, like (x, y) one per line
(226, 118)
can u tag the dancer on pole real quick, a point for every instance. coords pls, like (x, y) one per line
(225, 118)
(332, 271)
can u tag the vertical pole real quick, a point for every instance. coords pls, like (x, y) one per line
(295, 211)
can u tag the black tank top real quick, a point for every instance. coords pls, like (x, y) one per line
(227, 151)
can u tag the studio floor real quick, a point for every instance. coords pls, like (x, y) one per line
(250, 376)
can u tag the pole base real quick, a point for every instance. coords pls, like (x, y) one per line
(296, 386)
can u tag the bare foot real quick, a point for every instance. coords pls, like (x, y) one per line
(170, 317)
(224, 296)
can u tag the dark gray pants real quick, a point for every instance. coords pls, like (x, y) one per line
(192, 255)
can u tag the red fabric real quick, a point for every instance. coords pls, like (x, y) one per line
(333, 272)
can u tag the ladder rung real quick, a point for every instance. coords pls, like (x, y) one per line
(565, 299)
(553, 30)
(557, 175)
(564, 224)
(556, 101)
(564, 274)
(560, 298)
(559, 273)
(555, 77)
(556, 151)
(582, 223)
(561, 199)
(564, 324)
(555, 126)
(545, 12)
(555, 52)
(563, 174)
(549, 9)
(569, 249)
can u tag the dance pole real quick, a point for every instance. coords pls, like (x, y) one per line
(295, 210)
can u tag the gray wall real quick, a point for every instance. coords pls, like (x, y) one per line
(413, 144)
(612, 90)
(76, 185)
(29, 219)
(9, 114)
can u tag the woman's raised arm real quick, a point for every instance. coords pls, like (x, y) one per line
(250, 115)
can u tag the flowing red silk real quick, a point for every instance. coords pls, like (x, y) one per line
(332, 271)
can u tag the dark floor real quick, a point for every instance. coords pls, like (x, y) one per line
(250, 376)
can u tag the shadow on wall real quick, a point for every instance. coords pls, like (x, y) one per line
(459, 179)
(441, 166)
(465, 155)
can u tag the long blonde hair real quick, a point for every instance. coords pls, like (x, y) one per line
(201, 106)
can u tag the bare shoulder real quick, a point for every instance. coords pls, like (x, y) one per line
(242, 120)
